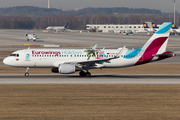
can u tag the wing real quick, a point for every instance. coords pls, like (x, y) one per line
(85, 62)
(90, 62)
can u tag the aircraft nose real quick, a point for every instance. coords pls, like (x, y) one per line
(6, 61)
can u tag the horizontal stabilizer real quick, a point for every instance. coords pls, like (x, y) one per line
(165, 54)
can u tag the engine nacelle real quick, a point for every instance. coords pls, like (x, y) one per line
(67, 68)
(64, 69)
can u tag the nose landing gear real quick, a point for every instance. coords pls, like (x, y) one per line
(27, 72)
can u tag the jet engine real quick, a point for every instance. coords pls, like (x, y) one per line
(64, 69)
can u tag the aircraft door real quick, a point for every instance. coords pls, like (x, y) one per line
(27, 56)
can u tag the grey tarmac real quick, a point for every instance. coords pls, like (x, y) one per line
(95, 79)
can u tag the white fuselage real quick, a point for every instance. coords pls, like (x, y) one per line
(56, 28)
(53, 57)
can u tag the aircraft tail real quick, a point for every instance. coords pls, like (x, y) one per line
(145, 25)
(66, 25)
(154, 25)
(156, 45)
(174, 26)
(159, 39)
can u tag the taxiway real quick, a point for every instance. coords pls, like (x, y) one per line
(95, 79)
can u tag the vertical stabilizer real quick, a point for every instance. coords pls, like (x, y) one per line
(156, 44)
(159, 40)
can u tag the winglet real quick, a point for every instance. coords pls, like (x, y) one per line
(95, 46)
(120, 52)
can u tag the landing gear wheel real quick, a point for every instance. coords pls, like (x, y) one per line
(88, 74)
(26, 74)
(27, 39)
(82, 73)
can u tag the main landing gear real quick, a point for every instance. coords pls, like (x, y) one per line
(27, 72)
(84, 74)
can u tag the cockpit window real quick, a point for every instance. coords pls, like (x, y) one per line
(15, 55)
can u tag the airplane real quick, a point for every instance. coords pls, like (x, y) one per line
(31, 37)
(58, 28)
(148, 29)
(175, 29)
(67, 61)
(154, 26)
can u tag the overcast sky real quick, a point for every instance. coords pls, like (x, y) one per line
(163, 5)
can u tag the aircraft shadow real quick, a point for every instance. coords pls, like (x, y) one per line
(39, 41)
(130, 76)
(93, 76)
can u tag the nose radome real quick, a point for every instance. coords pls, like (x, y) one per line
(5, 61)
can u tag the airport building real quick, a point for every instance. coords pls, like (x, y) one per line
(116, 28)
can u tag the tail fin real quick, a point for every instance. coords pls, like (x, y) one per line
(159, 40)
(145, 25)
(154, 25)
(174, 26)
(66, 25)
(156, 44)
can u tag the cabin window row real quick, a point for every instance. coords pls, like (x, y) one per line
(73, 56)
(127, 55)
